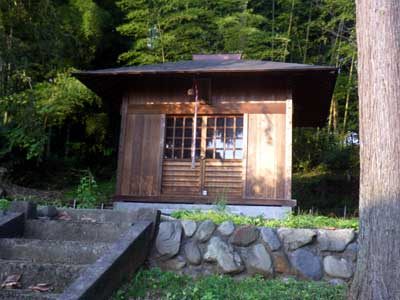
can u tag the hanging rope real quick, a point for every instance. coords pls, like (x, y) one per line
(194, 135)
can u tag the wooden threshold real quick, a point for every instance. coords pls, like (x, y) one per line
(195, 199)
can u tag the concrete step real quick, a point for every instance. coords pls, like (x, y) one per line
(42, 251)
(113, 216)
(26, 295)
(74, 230)
(59, 276)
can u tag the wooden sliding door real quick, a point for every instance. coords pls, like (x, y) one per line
(219, 153)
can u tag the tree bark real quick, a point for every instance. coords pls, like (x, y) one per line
(378, 36)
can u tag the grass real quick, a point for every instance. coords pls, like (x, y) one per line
(292, 221)
(155, 284)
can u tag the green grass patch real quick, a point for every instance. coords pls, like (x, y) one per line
(155, 284)
(292, 221)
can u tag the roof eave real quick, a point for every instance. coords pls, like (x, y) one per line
(195, 72)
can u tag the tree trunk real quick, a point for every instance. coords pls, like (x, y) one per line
(378, 266)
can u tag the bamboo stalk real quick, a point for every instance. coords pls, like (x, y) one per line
(307, 34)
(289, 31)
(346, 108)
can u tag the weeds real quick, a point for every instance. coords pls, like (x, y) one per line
(291, 221)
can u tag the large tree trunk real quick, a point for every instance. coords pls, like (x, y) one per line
(378, 267)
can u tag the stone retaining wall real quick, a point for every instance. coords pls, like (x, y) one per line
(205, 248)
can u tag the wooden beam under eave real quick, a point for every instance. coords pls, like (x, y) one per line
(276, 107)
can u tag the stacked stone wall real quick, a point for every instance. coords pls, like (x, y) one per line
(204, 248)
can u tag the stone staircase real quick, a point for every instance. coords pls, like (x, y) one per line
(55, 252)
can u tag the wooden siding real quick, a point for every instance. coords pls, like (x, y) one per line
(140, 167)
(223, 178)
(265, 171)
(222, 88)
(179, 178)
(218, 178)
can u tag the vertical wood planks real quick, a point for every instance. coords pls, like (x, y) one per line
(265, 156)
(121, 146)
(142, 157)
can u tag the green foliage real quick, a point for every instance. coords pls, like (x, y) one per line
(4, 204)
(323, 150)
(32, 114)
(87, 192)
(325, 170)
(174, 30)
(154, 284)
(291, 221)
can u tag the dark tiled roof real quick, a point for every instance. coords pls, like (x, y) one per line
(209, 66)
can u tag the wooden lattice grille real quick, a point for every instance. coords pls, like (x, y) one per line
(219, 153)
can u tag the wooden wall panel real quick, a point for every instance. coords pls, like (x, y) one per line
(249, 88)
(265, 170)
(121, 146)
(141, 162)
(223, 178)
(158, 90)
(243, 88)
(179, 178)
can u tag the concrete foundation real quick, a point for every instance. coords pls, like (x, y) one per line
(268, 212)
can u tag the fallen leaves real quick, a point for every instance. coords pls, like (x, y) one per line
(87, 219)
(40, 287)
(12, 282)
(64, 216)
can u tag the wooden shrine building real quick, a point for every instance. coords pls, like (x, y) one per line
(240, 142)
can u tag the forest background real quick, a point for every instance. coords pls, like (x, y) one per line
(53, 129)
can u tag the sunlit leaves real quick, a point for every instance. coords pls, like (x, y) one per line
(33, 112)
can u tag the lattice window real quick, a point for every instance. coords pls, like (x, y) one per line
(223, 136)
(178, 137)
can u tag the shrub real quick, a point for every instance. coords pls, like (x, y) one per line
(87, 193)
(4, 204)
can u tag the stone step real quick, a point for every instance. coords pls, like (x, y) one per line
(112, 216)
(26, 295)
(59, 276)
(42, 251)
(74, 230)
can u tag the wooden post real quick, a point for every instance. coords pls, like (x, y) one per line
(161, 154)
(124, 111)
(288, 149)
(244, 157)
